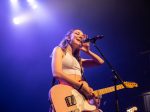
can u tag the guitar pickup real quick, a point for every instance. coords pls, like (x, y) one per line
(70, 101)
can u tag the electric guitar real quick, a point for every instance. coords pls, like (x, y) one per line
(67, 99)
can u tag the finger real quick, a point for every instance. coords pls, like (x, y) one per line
(85, 36)
(86, 43)
(91, 89)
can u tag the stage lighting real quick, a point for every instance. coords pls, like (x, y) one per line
(34, 6)
(32, 3)
(13, 1)
(17, 20)
(21, 19)
(15, 6)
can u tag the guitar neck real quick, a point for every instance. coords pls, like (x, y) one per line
(108, 90)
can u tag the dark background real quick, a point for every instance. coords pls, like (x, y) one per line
(25, 65)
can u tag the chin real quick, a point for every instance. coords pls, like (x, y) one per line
(77, 46)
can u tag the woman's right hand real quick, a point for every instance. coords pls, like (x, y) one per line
(86, 90)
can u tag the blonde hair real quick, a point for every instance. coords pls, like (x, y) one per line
(65, 42)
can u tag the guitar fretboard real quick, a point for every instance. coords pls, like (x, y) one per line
(107, 90)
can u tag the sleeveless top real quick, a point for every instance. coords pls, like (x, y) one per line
(70, 65)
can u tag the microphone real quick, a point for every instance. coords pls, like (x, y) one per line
(93, 39)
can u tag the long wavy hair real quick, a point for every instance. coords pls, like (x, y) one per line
(66, 41)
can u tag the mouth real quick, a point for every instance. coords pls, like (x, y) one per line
(78, 39)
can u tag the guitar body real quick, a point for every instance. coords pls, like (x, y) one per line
(67, 99)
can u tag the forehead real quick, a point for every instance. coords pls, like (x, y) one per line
(78, 31)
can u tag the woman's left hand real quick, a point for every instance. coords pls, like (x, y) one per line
(85, 46)
(96, 101)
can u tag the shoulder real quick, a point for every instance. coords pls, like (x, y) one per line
(58, 50)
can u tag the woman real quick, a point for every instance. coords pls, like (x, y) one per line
(67, 65)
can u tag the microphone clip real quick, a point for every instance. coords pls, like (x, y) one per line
(94, 39)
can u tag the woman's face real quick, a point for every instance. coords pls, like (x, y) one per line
(76, 38)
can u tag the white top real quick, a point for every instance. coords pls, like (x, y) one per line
(70, 65)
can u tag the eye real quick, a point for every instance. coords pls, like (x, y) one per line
(77, 33)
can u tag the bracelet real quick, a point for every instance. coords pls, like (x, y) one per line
(80, 87)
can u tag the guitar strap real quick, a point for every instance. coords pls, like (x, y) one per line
(82, 73)
(83, 78)
(53, 81)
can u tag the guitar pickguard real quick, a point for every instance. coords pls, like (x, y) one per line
(82, 103)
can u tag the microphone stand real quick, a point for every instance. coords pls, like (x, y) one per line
(116, 76)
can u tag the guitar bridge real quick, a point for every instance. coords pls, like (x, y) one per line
(70, 101)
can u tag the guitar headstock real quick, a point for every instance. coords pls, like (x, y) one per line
(131, 84)
(133, 109)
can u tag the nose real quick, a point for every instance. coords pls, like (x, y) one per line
(80, 37)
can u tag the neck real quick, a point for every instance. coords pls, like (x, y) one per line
(70, 49)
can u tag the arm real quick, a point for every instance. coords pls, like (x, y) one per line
(95, 59)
